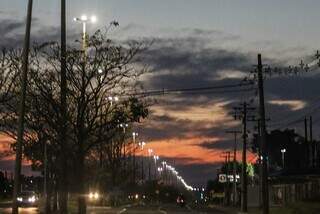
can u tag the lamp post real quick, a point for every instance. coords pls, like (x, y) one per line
(142, 144)
(150, 151)
(124, 126)
(155, 157)
(283, 151)
(84, 20)
(160, 170)
(21, 119)
(164, 167)
(134, 136)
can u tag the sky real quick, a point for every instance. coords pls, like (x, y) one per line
(196, 44)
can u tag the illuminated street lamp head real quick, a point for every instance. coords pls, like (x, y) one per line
(84, 18)
(110, 98)
(93, 19)
(123, 125)
(142, 144)
(283, 150)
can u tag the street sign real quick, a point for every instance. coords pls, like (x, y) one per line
(224, 179)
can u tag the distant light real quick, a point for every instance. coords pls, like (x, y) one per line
(84, 18)
(32, 199)
(100, 71)
(116, 98)
(96, 195)
(93, 19)
(91, 195)
(136, 196)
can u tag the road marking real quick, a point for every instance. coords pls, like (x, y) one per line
(162, 211)
(122, 211)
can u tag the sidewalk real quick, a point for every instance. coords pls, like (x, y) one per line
(299, 207)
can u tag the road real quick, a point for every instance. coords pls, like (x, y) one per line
(162, 209)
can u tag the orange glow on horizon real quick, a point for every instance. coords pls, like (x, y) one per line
(190, 151)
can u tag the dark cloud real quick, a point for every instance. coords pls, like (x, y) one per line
(13, 33)
(8, 26)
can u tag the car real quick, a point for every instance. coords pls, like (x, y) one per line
(181, 201)
(27, 198)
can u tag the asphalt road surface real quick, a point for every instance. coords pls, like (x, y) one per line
(29, 210)
(161, 209)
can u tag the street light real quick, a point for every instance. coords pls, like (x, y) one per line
(142, 144)
(113, 99)
(124, 126)
(155, 157)
(134, 136)
(84, 20)
(283, 151)
(150, 151)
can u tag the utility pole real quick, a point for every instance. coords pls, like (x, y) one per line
(149, 169)
(260, 162)
(311, 147)
(242, 114)
(63, 208)
(45, 183)
(244, 183)
(21, 120)
(306, 140)
(234, 165)
(258, 128)
(265, 188)
(228, 180)
(244, 179)
(142, 169)
(226, 156)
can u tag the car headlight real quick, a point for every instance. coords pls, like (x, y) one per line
(91, 195)
(32, 199)
(19, 199)
(96, 195)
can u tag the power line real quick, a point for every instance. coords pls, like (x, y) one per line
(194, 90)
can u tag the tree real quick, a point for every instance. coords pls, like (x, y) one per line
(293, 143)
(106, 70)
